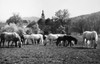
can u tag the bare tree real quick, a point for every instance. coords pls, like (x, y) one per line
(62, 14)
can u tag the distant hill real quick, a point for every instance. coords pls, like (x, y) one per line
(93, 16)
(31, 18)
(2, 21)
(86, 22)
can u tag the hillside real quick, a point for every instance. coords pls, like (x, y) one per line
(31, 18)
(93, 16)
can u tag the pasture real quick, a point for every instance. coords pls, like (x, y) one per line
(50, 54)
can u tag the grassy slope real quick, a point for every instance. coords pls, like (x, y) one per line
(50, 54)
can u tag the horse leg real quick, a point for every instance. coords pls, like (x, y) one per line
(84, 42)
(22, 40)
(35, 41)
(95, 44)
(50, 41)
(39, 41)
(60, 43)
(65, 43)
(32, 41)
(1, 42)
(15, 43)
(12, 43)
(19, 44)
(57, 43)
(86, 45)
(91, 44)
(26, 41)
(70, 43)
(8, 43)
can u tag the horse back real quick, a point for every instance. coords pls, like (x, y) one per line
(90, 35)
(11, 35)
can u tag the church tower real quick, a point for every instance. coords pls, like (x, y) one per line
(42, 15)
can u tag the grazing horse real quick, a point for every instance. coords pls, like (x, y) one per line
(38, 38)
(52, 37)
(22, 38)
(10, 36)
(90, 36)
(70, 39)
(26, 37)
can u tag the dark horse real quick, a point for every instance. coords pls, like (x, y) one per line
(69, 40)
(10, 36)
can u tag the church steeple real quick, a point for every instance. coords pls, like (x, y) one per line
(42, 15)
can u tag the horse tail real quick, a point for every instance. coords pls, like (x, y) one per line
(96, 36)
(96, 39)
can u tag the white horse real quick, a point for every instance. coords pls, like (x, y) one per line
(38, 38)
(52, 37)
(27, 37)
(90, 38)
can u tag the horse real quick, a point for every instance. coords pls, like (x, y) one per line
(92, 37)
(38, 38)
(26, 37)
(53, 37)
(2, 39)
(70, 40)
(22, 38)
(10, 36)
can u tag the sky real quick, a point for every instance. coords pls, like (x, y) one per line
(29, 8)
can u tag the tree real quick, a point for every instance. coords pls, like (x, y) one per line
(48, 21)
(34, 26)
(41, 21)
(62, 14)
(62, 19)
(61, 29)
(14, 19)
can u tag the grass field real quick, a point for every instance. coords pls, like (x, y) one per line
(50, 54)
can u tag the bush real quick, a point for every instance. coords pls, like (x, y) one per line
(13, 28)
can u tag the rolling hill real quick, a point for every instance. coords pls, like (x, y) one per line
(31, 18)
(92, 17)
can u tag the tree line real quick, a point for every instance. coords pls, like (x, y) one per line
(60, 23)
